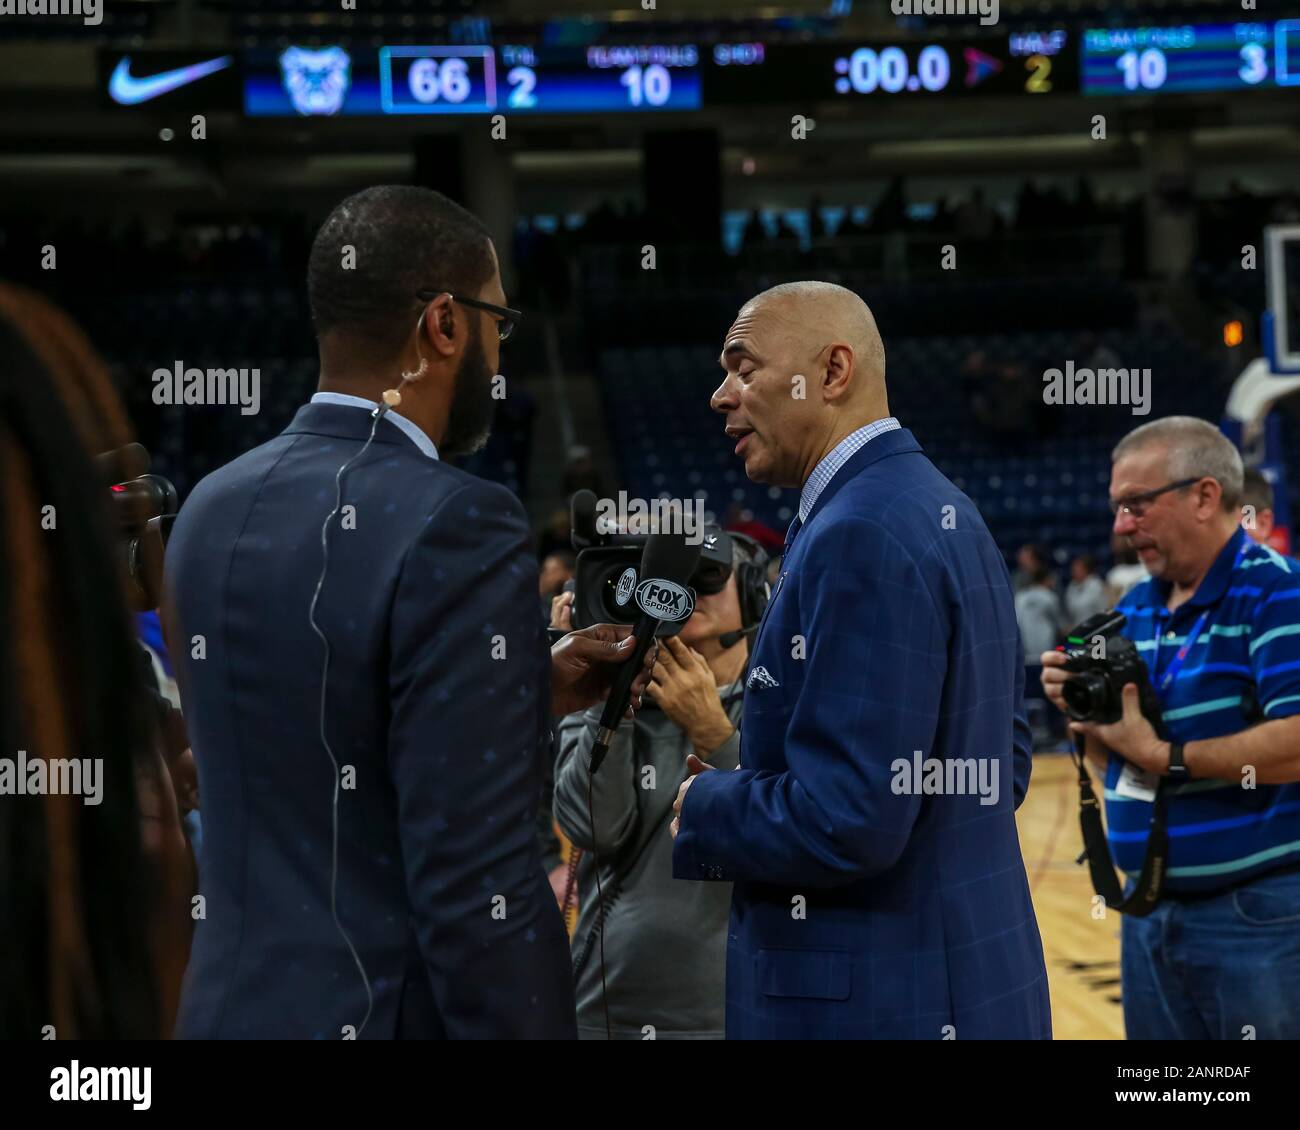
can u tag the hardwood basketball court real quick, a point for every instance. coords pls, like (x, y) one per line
(1081, 951)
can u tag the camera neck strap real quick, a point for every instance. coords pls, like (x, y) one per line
(1146, 893)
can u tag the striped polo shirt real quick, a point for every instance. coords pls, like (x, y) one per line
(1243, 667)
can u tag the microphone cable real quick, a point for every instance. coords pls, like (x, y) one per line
(378, 415)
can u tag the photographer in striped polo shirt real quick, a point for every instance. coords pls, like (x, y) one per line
(1218, 626)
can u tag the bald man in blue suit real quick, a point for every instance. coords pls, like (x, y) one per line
(879, 887)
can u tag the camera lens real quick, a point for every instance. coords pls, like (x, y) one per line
(611, 610)
(1085, 696)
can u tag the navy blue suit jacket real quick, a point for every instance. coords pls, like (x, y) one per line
(862, 906)
(437, 709)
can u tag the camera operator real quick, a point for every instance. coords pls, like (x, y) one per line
(664, 946)
(1218, 627)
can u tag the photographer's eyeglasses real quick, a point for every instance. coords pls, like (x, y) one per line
(507, 319)
(1136, 505)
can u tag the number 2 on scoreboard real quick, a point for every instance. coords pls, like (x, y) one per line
(522, 81)
(1040, 69)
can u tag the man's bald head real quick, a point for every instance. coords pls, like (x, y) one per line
(821, 314)
(805, 368)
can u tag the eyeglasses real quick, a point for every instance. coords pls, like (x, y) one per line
(1136, 504)
(508, 318)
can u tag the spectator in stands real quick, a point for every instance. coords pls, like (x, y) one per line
(1093, 353)
(557, 569)
(1218, 625)
(1038, 613)
(1085, 595)
(1127, 571)
(1000, 395)
(742, 520)
(1030, 559)
(890, 213)
(816, 221)
(974, 219)
(580, 473)
(555, 533)
(1257, 507)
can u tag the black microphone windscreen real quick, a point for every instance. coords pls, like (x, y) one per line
(669, 557)
(122, 463)
(582, 519)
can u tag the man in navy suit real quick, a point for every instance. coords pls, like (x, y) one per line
(879, 889)
(370, 864)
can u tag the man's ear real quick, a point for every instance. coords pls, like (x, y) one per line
(1209, 497)
(440, 325)
(839, 372)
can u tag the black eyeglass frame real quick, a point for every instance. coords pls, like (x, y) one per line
(510, 319)
(1148, 496)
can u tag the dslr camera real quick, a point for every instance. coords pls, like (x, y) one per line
(1102, 662)
(145, 506)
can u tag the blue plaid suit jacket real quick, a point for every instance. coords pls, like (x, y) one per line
(864, 906)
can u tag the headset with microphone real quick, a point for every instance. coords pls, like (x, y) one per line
(392, 398)
(752, 586)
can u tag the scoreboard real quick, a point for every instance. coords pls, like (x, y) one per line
(1191, 58)
(472, 80)
(645, 78)
(649, 78)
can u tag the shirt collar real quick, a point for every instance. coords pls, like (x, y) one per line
(1213, 585)
(834, 459)
(413, 431)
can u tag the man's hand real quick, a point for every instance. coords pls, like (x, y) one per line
(684, 688)
(559, 879)
(562, 612)
(1054, 677)
(1132, 737)
(584, 664)
(694, 767)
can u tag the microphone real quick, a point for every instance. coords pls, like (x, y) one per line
(122, 464)
(730, 639)
(582, 519)
(663, 596)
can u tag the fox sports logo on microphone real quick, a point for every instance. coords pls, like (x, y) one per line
(665, 600)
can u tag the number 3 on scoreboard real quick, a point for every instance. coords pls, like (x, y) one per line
(1040, 68)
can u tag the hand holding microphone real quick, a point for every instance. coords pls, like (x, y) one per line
(662, 597)
(585, 665)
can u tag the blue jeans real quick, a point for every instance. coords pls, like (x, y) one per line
(1215, 968)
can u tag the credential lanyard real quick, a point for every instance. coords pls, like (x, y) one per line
(1180, 657)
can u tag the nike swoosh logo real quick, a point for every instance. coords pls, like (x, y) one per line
(127, 90)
